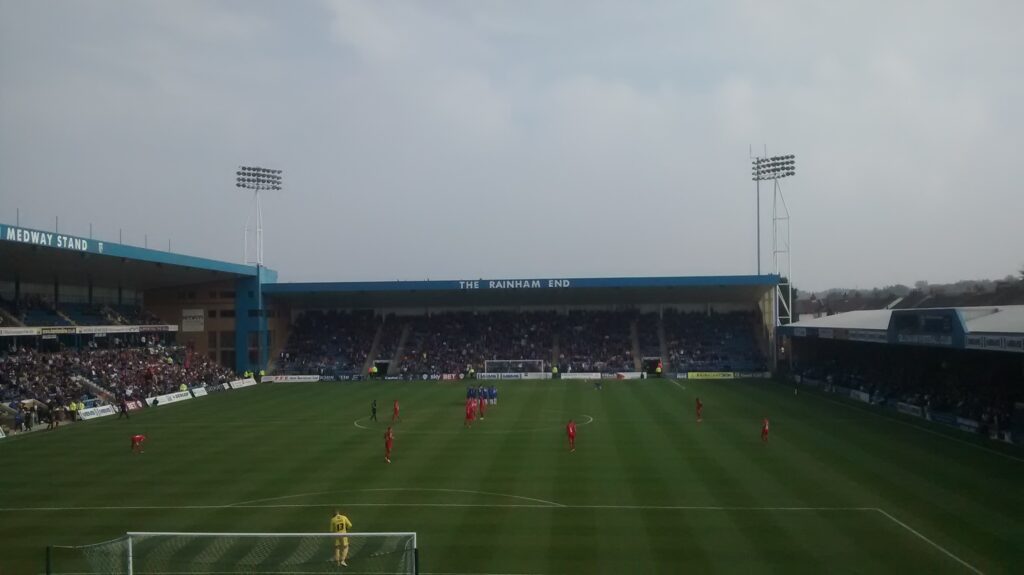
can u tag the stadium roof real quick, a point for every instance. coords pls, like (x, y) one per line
(863, 319)
(520, 292)
(1006, 319)
(35, 256)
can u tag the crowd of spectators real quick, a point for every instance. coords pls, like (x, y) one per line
(459, 342)
(978, 385)
(62, 378)
(331, 342)
(443, 343)
(593, 341)
(700, 341)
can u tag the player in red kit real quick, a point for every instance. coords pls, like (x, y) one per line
(700, 411)
(570, 430)
(394, 413)
(389, 441)
(469, 413)
(481, 404)
(137, 441)
(764, 430)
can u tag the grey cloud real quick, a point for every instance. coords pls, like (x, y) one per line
(467, 139)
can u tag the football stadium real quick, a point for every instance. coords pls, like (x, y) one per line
(166, 413)
(531, 302)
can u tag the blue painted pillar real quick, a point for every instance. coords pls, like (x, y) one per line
(251, 333)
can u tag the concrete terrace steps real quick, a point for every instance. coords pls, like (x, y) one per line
(634, 336)
(394, 368)
(374, 348)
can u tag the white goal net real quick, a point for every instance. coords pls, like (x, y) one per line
(514, 366)
(229, 553)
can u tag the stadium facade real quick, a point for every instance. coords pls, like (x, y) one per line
(241, 316)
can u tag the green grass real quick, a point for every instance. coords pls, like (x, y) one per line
(648, 489)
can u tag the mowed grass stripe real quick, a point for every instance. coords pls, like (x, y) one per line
(676, 534)
(219, 449)
(729, 480)
(960, 520)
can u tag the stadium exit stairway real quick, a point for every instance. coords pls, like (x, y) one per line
(634, 336)
(94, 387)
(9, 320)
(395, 367)
(663, 344)
(374, 348)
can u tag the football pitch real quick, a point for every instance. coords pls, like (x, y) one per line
(839, 488)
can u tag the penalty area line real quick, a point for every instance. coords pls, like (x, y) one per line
(918, 534)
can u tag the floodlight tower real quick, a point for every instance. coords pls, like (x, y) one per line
(256, 179)
(775, 168)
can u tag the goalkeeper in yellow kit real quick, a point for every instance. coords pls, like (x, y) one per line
(340, 524)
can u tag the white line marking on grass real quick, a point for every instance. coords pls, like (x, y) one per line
(547, 505)
(392, 489)
(920, 428)
(947, 552)
(679, 385)
(301, 573)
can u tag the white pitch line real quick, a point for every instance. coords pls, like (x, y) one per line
(306, 573)
(679, 385)
(947, 552)
(453, 505)
(919, 428)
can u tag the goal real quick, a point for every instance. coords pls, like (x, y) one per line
(514, 366)
(142, 553)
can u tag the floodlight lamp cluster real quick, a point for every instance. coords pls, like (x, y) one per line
(773, 168)
(255, 178)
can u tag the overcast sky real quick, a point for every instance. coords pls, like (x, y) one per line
(457, 140)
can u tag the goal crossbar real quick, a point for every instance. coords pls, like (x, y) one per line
(224, 534)
(135, 552)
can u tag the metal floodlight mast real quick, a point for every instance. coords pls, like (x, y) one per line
(776, 168)
(257, 179)
(769, 168)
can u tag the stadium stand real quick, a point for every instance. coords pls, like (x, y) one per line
(87, 314)
(712, 342)
(595, 341)
(39, 312)
(647, 335)
(132, 315)
(329, 342)
(957, 366)
(56, 378)
(456, 342)
(977, 385)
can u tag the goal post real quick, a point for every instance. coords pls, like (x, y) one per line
(150, 553)
(514, 366)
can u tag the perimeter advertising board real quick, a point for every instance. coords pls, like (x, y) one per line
(94, 412)
(168, 398)
(710, 375)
